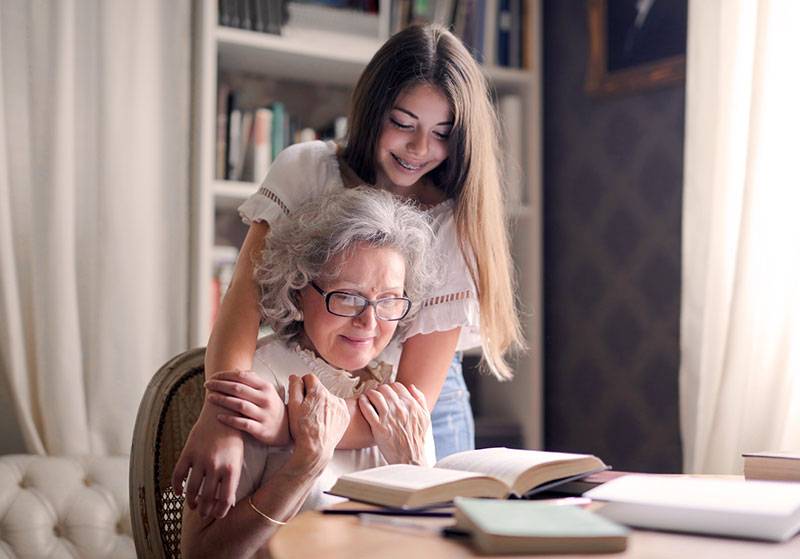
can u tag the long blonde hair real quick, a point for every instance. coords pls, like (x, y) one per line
(470, 175)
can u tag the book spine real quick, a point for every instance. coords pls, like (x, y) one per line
(257, 8)
(262, 144)
(515, 36)
(245, 130)
(222, 131)
(490, 32)
(278, 125)
(232, 133)
(510, 108)
(503, 32)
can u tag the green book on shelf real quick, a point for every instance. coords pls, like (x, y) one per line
(503, 527)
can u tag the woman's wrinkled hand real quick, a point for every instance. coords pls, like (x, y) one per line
(257, 408)
(317, 420)
(399, 419)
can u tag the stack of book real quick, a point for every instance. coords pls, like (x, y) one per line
(763, 510)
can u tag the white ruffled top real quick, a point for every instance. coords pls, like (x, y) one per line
(309, 169)
(274, 361)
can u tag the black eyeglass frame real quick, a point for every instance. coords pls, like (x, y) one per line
(367, 303)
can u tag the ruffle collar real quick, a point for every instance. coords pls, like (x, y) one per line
(342, 383)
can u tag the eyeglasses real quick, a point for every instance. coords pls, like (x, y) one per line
(346, 304)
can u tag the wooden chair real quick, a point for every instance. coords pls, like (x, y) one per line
(167, 412)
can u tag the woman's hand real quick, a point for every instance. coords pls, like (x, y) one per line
(256, 405)
(399, 419)
(317, 421)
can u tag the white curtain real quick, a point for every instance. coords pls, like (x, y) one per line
(740, 316)
(94, 164)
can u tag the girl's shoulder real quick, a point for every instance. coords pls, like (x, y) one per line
(315, 160)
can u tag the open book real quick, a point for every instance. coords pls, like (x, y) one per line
(489, 472)
(781, 466)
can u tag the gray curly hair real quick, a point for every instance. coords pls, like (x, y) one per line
(299, 249)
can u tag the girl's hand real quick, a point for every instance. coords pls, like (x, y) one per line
(317, 421)
(214, 454)
(399, 419)
(256, 405)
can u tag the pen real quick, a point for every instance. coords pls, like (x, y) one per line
(392, 512)
(383, 521)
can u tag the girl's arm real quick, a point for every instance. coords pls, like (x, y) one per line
(213, 451)
(317, 419)
(252, 404)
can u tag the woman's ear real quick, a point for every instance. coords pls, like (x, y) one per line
(298, 313)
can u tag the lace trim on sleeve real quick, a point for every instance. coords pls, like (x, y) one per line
(264, 191)
(439, 299)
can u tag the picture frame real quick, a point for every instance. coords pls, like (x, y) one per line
(635, 45)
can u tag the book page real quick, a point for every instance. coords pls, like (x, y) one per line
(408, 476)
(505, 464)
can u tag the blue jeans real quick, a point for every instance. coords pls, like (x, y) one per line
(451, 419)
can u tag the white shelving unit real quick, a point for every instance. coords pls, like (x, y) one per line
(330, 58)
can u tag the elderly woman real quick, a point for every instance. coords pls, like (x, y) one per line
(343, 272)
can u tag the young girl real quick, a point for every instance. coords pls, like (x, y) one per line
(422, 126)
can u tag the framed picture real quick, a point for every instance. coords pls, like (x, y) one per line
(635, 45)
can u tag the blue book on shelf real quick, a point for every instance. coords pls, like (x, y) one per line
(503, 32)
(278, 125)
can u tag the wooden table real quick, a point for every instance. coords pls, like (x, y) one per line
(313, 534)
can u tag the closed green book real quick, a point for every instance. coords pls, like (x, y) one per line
(502, 527)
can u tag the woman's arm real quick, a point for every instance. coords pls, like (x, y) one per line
(213, 451)
(243, 532)
(251, 403)
(423, 363)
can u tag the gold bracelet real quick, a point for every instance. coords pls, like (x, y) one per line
(252, 506)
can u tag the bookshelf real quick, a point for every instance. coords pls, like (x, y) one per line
(316, 58)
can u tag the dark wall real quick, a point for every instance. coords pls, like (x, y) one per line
(612, 200)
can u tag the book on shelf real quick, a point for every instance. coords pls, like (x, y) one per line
(233, 122)
(250, 137)
(220, 162)
(490, 29)
(763, 510)
(262, 144)
(778, 465)
(488, 472)
(511, 118)
(504, 527)
(264, 16)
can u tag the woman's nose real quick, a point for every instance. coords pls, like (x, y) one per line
(367, 318)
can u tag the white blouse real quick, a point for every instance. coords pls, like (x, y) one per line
(308, 169)
(274, 361)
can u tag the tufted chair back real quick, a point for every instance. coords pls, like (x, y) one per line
(168, 410)
(60, 506)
